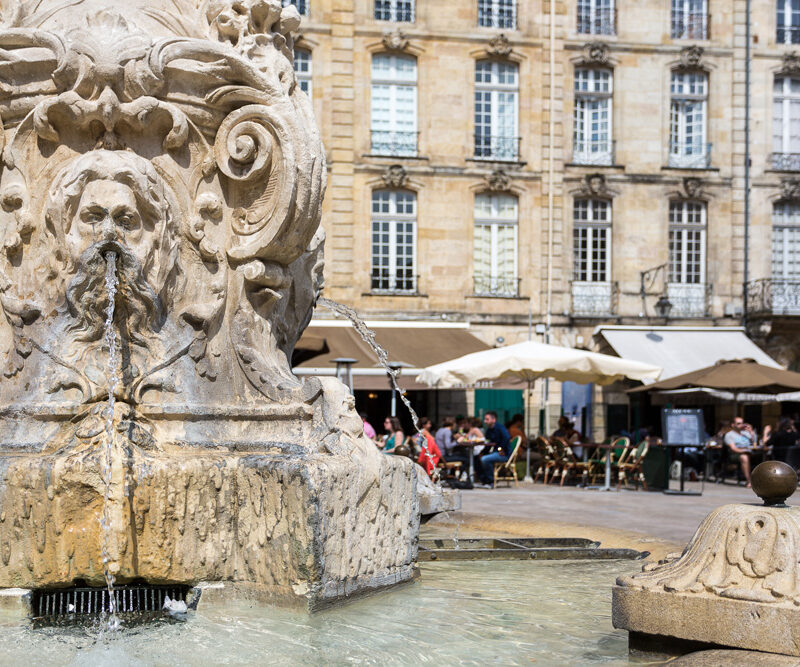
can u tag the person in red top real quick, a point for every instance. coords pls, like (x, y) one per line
(430, 455)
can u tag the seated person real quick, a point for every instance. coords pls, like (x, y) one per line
(429, 455)
(566, 430)
(497, 436)
(447, 445)
(741, 442)
(395, 434)
(782, 439)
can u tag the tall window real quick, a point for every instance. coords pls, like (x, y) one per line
(302, 5)
(786, 241)
(689, 19)
(395, 10)
(394, 239)
(686, 289)
(788, 22)
(687, 136)
(497, 13)
(495, 253)
(596, 17)
(394, 104)
(496, 94)
(302, 69)
(786, 124)
(591, 235)
(592, 117)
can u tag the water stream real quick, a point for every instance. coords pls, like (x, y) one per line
(368, 336)
(113, 352)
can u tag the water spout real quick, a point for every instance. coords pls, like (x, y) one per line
(105, 520)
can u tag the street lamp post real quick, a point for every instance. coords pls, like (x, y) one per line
(344, 370)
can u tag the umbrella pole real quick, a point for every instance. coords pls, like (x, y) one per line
(528, 477)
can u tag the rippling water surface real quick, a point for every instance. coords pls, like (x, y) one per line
(471, 613)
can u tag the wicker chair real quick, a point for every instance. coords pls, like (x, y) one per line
(633, 466)
(549, 458)
(507, 470)
(568, 463)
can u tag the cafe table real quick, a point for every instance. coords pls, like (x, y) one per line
(607, 481)
(471, 444)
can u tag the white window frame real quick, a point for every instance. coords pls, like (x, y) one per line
(389, 217)
(786, 240)
(497, 14)
(303, 70)
(397, 11)
(689, 19)
(594, 90)
(302, 5)
(596, 17)
(785, 118)
(394, 135)
(787, 32)
(688, 97)
(687, 226)
(501, 91)
(498, 282)
(592, 218)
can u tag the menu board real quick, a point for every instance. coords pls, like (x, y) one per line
(683, 427)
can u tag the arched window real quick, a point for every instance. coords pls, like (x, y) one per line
(496, 102)
(399, 11)
(302, 5)
(591, 257)
(687, 131)
(786, 124)
(497, 13)
(495, 250)
(302, 69)
(394, 105)
(592, 142)
(394, 240)
(686, 288)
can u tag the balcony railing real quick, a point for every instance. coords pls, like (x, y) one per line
(396, 144)
(690, 156)
(402, 282)
(598, 22)
(502, 286)
(400, 11)
(690, 26)
(689, 300)
(785, 161)
(788, 34)
(774, 296)
(593, 299)
(487, 18)
(497, 148)
(601, 153)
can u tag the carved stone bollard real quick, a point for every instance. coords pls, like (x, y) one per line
(736, 584)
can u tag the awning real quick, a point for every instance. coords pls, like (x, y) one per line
(414, 346)
(682, 350)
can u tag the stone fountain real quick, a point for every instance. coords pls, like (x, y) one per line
(170, 138)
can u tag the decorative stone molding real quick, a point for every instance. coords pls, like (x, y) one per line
(499, 46)
(596, 53)
(790, 188)
(691, 57)
(395, 176)
(395, 40)
(692, 188)
(594, 185)
(791, 63)
(498, 181)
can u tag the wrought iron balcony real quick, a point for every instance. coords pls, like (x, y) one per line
(785, 161)
(788, 34)
(593, 299)
(402, 281)
(501, 148)
(399, 11)
(774, 296)
(695, 155)
(598, 22)
(501, 286)
(689, 300)
(690, 25)
(601, 153)
(396, 144)
(503, 17)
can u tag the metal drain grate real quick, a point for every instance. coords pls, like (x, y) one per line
(83, 601)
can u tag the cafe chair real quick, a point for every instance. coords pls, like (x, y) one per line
(618, 452)
(549, 458)
(507, 470)
(632, 465)
(568, 462)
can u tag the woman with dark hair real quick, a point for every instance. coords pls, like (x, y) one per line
(782, 439)
(395, 431)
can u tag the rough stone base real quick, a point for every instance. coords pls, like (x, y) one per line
(714, 621)
(304, 531)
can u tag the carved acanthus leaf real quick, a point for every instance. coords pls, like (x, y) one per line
(395, 176)
(791, 63)
(596, 53)
(499, 46)
(498, 181)
(394, 40)
(790, 188)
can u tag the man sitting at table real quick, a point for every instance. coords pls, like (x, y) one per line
(741, 441)
(496, 436)
(447, 445)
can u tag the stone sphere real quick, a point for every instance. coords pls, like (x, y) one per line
(774, 482)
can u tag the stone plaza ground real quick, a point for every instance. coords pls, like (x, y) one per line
(646, 521)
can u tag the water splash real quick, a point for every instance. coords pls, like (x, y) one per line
(108, 448)
(368, 336)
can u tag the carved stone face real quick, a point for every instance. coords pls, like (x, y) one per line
(107, 212)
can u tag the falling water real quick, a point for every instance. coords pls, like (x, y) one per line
(105, 520)
(368, 336)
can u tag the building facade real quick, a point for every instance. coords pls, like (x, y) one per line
(530, 167)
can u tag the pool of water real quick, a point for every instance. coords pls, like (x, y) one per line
(470, 613)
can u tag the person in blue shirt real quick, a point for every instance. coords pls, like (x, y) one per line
(496, 435)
